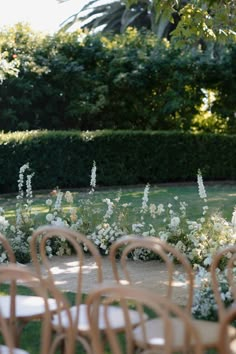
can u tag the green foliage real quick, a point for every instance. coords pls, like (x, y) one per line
(131, 81)
(207, 21)
(124, 157)
(184, 21)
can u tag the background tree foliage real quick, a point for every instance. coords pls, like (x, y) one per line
(134, 80)
(183, 20)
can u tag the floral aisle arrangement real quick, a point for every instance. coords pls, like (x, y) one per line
(104, 221)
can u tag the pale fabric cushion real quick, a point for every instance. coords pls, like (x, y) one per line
(26, 306)
(233, 347)
(5, 350)
(116, 318)
(208, 331)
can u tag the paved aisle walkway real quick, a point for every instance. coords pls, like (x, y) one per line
(150, 274)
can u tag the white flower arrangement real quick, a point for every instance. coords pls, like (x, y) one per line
(199, 239)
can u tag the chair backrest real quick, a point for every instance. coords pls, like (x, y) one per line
(176, 269)
(78, 242)
(10, 259)
(223, 267)
(24, 277)
(7, 336)
(145, 303)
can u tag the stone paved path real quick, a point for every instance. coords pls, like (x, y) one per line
(150, 274)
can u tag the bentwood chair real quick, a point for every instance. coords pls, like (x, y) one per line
(148, 337)
(24, 277)
(123, 248)
(78, 242)
(176, 269)
(28, 308)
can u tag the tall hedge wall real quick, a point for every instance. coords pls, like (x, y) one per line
(65, 159)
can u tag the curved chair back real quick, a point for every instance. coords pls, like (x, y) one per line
(78, 242)
(225, 259)
(24, 277)
(146, 303)
(169, 256)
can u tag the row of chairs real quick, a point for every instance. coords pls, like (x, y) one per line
(148, 321)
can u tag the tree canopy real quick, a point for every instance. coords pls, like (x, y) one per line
(184, 20)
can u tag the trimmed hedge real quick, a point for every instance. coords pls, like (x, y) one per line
(65, 159)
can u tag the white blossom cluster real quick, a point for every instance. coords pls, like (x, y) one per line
(204, 304)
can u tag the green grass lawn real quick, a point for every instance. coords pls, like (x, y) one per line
(221, 197)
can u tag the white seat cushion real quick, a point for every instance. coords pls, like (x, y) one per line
(115, 315)
(5, 350)
(26, 306)
(208, 331)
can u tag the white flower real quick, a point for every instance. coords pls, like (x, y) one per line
(233, 220)
(59, 222)
(48, 202)
(49, 217)
(153, 210)
(109, 211)
(12, 228)
(207, 261)
(69, 197)
(3, 223)
(58, 201)
(201, 188)
(48, 249)
(145, 199)
(93, 177)
(137, 227)
(174, 222)
(160, 209)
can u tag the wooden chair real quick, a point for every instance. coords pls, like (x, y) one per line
(38, 243)
(148, 337)
(208, 330)
(42, 266)
(28, 308)
(24, 277)
(174, 263)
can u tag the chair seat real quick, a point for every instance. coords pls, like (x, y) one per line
(208, 331)
(5, 350)
(115, 315)
(26, 306)
(232, 346)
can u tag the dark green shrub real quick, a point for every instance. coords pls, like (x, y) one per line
(65, 159)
